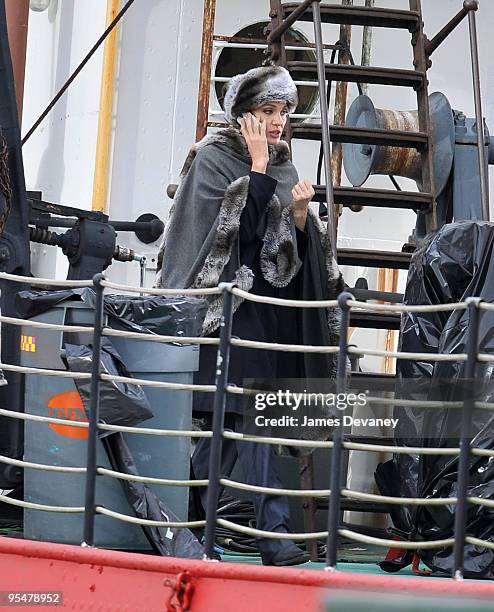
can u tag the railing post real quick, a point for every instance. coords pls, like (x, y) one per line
(336, 455)
(222, 363)
(466, 438)
(89, 504)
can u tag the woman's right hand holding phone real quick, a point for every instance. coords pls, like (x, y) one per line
(254, 132)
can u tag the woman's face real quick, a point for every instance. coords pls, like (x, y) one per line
(275, 115)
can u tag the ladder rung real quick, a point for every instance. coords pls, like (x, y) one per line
(390, 138)
(359, 74)
(382, 198)
(374, 259)
(375, 320)
(359, 15)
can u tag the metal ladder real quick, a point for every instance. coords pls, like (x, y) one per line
(283, 16)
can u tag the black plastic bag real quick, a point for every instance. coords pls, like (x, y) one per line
(168, 316)
(454, 264)
(121, 403)
(166, 541)
(35, 301)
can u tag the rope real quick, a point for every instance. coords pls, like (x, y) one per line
(151, 480)
(155, 291)
(156, 383)
(485, 357)
(158, 338)
(284, 302)
(172, 433)
(52, 326)
(42, 466)
(404, 450)
(480, 543)
(482, 452)
(243, 486)
(34, 417)
(406, 308)
(43, 372)
(400, 501)
(31, 505)
(138, 521)
(487, 503)
(274, 535)
(232, 435)
(417, 403)
(365, 539)
(30, 280)
(288, 348)
(408, 356)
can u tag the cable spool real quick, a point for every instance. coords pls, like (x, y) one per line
(360, 161)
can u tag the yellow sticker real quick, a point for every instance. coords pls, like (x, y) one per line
(28, 344)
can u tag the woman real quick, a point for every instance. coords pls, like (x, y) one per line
(241, 214)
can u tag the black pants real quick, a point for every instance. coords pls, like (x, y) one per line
(258, 465)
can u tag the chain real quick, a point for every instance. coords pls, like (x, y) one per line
(5, 188)
(181, 595)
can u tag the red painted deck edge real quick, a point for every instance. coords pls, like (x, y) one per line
(214, 581)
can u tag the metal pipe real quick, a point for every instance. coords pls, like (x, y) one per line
(326, 143)
(479, 117)
(440, 37)
(102, 160)
(205, 75)
(17, 12)
(278, 32)
(366, 46)
(91, 467)
(222, 364)
(466, 437)
(337, 452)
(341, 102)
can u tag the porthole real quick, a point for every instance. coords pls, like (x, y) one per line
(232, 60)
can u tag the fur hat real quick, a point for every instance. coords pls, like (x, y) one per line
(257, 87)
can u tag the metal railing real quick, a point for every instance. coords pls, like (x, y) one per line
(222, 388)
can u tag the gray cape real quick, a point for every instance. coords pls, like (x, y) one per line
(201, 247)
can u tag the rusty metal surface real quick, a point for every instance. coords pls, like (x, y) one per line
(283, 25)
(366, 45)
(360, 74)
(347, 134)
(340, 103)
(206, 62)
(420, 62)
(17, 23)
(381, 198)
(400, 160)
(360, 15)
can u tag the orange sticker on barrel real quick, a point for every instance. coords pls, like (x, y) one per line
(68, 406)
(28, 344)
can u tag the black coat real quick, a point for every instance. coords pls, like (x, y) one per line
(267, 322)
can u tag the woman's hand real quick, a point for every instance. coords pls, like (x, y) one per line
(254, 132)
(302, 193)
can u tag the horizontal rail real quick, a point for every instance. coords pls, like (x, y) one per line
(284, 302)
(273, 535)
(365, 539)
(152, 480)
(288, 348)
(31, 280)
(155, 291)
(33, 506)
(41, 466)
(149, 523)
(107, 331)
(159, 384)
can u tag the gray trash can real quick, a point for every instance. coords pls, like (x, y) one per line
(51, 444)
